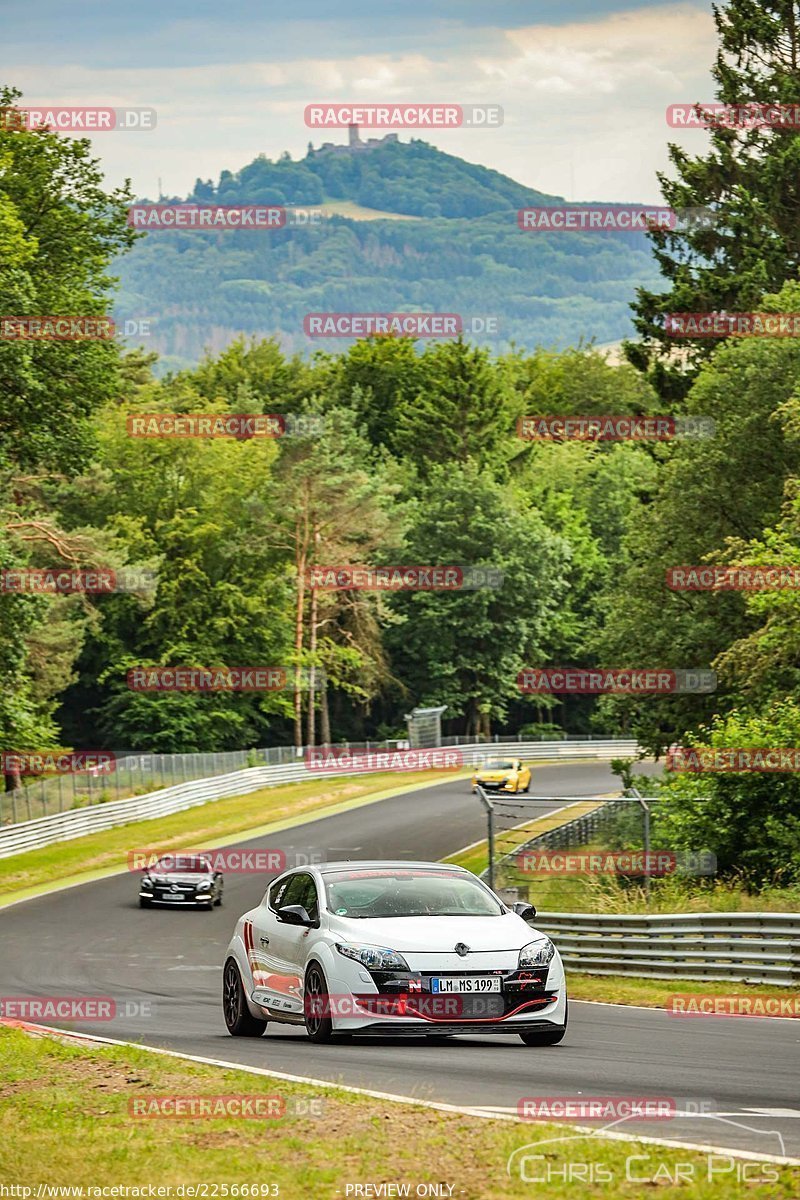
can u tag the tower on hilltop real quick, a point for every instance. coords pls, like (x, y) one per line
(352, 136)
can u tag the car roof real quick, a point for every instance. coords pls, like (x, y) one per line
(379, 864)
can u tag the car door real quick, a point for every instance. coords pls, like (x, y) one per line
(271, 986)
(291, 941)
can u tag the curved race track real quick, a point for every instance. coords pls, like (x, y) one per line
(93, 940)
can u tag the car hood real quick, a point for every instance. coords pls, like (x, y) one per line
(438, 934)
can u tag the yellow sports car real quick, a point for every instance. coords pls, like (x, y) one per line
(503, 775)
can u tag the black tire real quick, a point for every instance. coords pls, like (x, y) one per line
(145, 903)
(238, 1018)
(319, 1027)
(218, 901)
(547, 1037)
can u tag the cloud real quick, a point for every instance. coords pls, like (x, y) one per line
(584, 100)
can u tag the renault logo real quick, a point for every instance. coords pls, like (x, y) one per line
(461, 950)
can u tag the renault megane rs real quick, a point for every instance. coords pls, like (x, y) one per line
(392, 948)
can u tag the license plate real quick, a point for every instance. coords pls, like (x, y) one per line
(171, 896)
(467, 983)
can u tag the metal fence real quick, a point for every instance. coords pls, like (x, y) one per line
(735, 947)
(139, 774)
(62, 826)
(577, 832)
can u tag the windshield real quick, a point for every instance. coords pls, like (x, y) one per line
(408, 894)
(498, 764)
(183, 863)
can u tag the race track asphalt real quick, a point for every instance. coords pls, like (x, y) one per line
(94, 940)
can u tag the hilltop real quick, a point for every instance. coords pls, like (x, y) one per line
(404, 227)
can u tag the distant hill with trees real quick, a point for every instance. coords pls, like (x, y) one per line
(462, 253)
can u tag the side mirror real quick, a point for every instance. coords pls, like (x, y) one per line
(294, 914)
(525, 910)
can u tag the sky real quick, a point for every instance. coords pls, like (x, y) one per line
(583, 84)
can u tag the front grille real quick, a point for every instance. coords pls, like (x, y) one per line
(525, 989)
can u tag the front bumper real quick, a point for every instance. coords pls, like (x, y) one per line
(176, 899)
(450, 1028)
(407, 1002)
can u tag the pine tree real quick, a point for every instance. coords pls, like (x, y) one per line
(750, 179)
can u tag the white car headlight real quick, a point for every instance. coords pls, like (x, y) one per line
(537, 954)
(376, 958)
(204, 886)
(147, 883)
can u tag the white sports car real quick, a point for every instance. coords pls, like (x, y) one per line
(392, 948)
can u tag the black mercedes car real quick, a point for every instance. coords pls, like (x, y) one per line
(181, 880)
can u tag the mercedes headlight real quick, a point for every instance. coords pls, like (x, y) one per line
(375, 958)
(147, 882)
(537, 954)
(205, 886)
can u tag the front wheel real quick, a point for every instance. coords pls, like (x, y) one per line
(238, 1018)
(547, 1037)
(145, 903)
(316, 1006)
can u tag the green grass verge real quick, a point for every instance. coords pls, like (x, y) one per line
(654, 993)
(612, 894)
(204, 827)
(67, 1115)
(609, 894)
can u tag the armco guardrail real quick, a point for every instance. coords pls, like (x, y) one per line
(61, 827)
(735, 947)
(137, 774)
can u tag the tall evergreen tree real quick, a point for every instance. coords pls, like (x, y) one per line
(750, 179)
